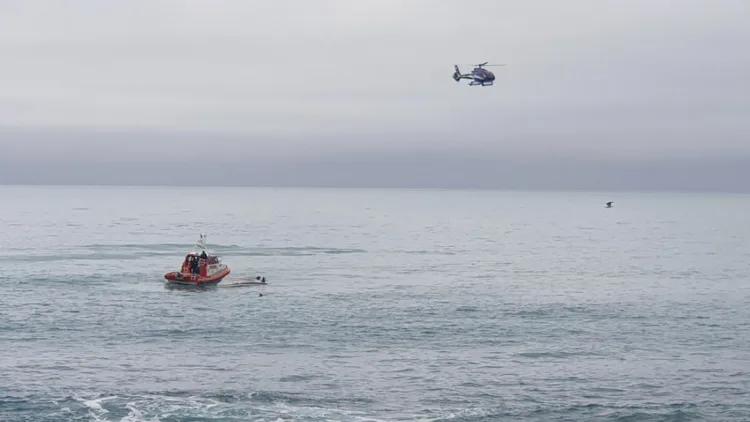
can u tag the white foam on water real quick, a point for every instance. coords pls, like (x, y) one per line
(96, 404)
(136, 415)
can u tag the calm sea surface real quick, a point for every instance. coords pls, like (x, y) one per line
(381, 305)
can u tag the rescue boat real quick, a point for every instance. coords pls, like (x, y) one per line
(199, 269)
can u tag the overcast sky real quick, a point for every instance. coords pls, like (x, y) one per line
(87, 85)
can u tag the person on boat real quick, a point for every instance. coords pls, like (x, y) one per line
(194, 265)
(203, 255)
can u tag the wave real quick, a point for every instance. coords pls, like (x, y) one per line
(134, 252)
(541, 412)
(558, 354)
(129, 252)
(153, 406)
(183, 405)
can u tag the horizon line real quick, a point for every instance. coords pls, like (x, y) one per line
(395, 188)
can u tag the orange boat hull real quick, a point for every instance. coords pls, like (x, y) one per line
(177, 277)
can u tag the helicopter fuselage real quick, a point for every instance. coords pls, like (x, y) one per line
(482, 76)
(478, 76)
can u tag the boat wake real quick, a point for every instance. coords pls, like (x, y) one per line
(242, 283)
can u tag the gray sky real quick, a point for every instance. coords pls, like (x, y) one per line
(87, 85)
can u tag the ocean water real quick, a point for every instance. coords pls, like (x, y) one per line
(381, 305)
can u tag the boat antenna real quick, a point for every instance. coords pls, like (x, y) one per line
(202, 242)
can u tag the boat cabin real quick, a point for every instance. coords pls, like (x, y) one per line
(201, 264)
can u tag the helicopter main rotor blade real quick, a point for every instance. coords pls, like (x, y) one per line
(485, 64)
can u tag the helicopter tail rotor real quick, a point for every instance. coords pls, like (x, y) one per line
(456, 74)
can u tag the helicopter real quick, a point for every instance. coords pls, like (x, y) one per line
(478, 76)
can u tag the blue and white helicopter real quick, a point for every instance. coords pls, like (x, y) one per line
(478, 76)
